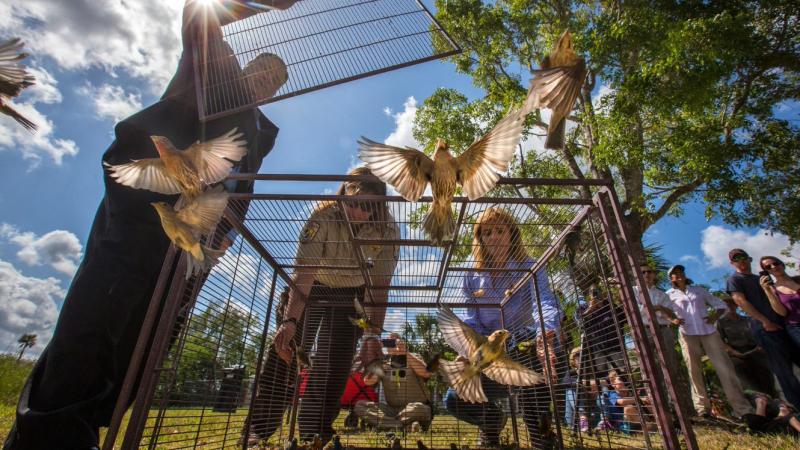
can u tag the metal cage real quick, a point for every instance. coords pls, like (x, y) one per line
(309, 46)
(209, 380)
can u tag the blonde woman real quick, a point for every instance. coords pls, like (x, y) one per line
(501, 260)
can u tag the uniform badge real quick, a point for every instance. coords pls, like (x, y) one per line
(309, 231)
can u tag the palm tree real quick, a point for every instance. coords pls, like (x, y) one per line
(25, 341)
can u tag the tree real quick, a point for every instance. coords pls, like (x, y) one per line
(25, 341)
(681, 100)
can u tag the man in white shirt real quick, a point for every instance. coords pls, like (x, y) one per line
(697, 311)
(666, 320)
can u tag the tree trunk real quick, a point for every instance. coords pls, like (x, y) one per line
(21, 351)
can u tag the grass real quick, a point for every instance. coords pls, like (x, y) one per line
(179, 428)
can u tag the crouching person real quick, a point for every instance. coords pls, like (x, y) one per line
(405, 398)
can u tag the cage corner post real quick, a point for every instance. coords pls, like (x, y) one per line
(623, 262)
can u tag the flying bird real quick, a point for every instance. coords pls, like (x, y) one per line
(555, 86)
(375, 367)
(182, 171)
(13, 79)
(362, 320)
(303, 361)
(186, 224)
(409, 170)
(483, 355)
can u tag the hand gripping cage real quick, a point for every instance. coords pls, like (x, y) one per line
(206, 380)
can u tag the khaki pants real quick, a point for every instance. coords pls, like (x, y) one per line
(380, 415)
(693, 348)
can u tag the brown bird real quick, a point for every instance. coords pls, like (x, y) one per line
(186, 225)
(476, 170)
(555, 86)
(480, 354)
(183, 171)
(13, 79)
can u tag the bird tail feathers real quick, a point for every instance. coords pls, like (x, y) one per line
(555, 135)
(202, 262)
(438, 231)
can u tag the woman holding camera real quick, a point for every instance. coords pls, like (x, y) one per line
(783, 294)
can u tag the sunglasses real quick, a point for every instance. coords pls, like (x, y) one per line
(774, 265)
(740, 258)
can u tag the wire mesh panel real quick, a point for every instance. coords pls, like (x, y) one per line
(562, 292)
(312, 45)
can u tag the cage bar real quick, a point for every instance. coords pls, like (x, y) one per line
(213, 380)
(310, 46)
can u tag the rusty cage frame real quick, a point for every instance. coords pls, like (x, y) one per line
(163, 337)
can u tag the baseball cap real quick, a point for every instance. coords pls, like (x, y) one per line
(676, 267)
(737, 252)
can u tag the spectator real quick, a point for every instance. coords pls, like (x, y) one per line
(403, 385)
(749, 360)
(620, 409)
(697, 310)
(579, 386)
(600, 320)
(666, 321)
(773, 417)
(783, 294)
(766, 324)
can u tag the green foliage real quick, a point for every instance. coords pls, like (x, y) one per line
(216, 338)
(13, 374)
(690, 93)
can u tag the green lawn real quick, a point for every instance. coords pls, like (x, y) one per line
(181, 428)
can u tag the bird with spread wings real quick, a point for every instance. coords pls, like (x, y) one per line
(409, 170)
(479, 354)
(183, 171)
(555, 86)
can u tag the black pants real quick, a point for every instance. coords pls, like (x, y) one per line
(782, 354)
(330, 338)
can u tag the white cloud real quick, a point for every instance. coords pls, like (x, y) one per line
(34, 146)
(717, 241)
(44, 88)
(29, 306)
(112, 102)
(403, 136)
(690, 258)
(60, 249)
(141, 38)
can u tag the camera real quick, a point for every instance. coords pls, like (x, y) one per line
(765, 273)
(389, 343)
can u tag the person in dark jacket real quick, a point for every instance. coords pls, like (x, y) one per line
(74, 386)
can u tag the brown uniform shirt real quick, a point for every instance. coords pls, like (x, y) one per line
(325, 240)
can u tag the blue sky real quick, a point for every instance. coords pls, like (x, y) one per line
(96, 63)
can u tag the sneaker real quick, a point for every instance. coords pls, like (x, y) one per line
(584, 424)
(605, 425)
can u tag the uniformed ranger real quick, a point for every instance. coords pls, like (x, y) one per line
(328, 273)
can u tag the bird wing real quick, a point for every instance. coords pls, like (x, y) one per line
(13, 76)
(214, 158)
(148, 173)
(479, 164)
(359, 308)
(459, 335)
(506, 371)
(407, 169)
(555, 88)
(204, 212)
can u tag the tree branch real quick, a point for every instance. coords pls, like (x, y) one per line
(671, 199)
